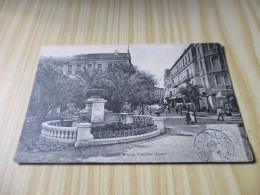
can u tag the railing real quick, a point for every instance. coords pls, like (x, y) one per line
(142, 119)
(180, 70)
(222, 87)
(186, 77)
(183, 79)
(112, 117)
(117, 131)
(52, 130)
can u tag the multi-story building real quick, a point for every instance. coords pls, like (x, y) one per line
(100, 62)
(159, 94)
(167, 84)
(203, 65)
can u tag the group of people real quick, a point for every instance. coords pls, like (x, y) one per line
(189, 111)
(141, 110)
(167, 109)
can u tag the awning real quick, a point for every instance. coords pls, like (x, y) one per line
(221, 95)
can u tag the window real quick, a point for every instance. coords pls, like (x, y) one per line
(89, 66)
(70, 68)
(189, 57)
(218, 79)
(227, 80)
(201, 67)
(109, 66)
(78, 67)
(198, 49)
(215, 61)
(187, 71)
(210, 46)
(99, 66)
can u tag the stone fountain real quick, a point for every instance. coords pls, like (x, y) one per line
(95, 107)
(92, 115)
(81, 127)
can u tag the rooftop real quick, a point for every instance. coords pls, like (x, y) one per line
(104, 56)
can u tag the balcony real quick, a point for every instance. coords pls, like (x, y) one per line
(221, 87)
(184, 79)
(213, 70)
(180, 70)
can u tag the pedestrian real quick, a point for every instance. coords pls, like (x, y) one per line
(176, 109)
(180, 110)
(188, 117)
(220, 114)
(142, 110)
(165, 110)
(151, 111)
(139, 110)
(194, 113)
(192, 117)
(169, 109)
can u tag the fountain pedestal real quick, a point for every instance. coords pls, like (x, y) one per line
(159, 121)
(84, 134)
(97, 107)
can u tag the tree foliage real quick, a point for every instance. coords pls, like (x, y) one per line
(90, 79)
(191, 93)
(51, 90)
(126, 83)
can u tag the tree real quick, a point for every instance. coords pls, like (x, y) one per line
(51, 90)
(125, 82)
(90, 79)
(191, 93)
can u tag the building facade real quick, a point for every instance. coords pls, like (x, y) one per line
(100, 62)
(203, 65)
(167, 84)
(159, 94)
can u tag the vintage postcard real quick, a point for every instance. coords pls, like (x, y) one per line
(156, 103)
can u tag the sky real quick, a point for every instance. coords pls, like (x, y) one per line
(153, 58)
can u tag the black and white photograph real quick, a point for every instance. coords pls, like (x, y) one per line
(152, 103)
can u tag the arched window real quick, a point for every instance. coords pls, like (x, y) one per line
(70, 69)
(99, 67)
(89, 66)
(78, 67)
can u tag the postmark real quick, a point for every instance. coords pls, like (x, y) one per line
(214, 146)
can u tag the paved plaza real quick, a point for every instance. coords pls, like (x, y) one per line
(178, 145)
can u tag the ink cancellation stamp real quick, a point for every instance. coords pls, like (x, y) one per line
(167, 103)
(213, 145)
